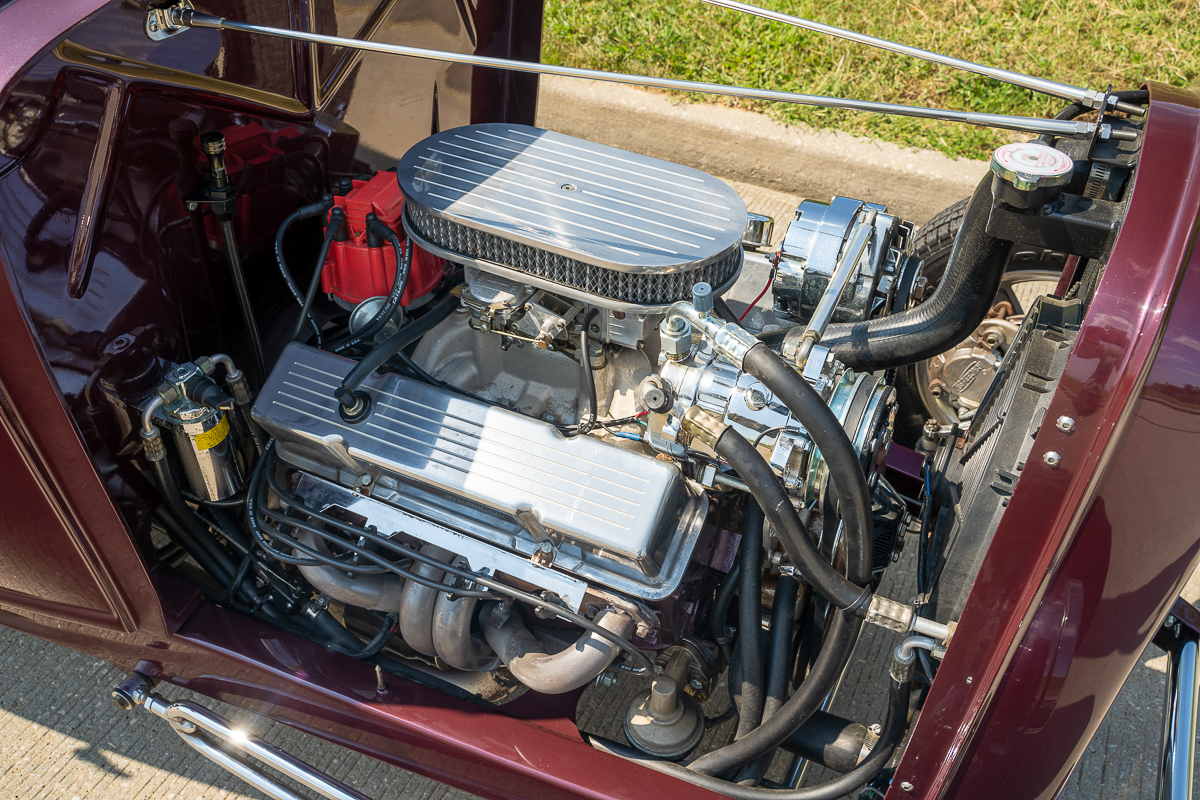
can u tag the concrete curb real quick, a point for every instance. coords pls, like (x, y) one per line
(751, 148)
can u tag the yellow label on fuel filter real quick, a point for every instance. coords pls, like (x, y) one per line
(211, 438)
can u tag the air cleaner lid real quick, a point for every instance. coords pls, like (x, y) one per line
(1032, 165)
(584, 201)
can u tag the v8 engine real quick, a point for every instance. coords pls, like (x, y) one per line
(555, 429)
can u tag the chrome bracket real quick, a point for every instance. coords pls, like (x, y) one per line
(167, 21)
(230, 747)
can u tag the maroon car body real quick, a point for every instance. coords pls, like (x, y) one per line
(1084, 568)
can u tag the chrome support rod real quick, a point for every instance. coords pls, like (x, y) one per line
(1180, 723)
(162, 23)
(1076, 94)
(846, 267)
(232, 748)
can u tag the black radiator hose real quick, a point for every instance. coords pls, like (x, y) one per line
(841, 457)
(961, 301)
(766, 489)
(846, 592)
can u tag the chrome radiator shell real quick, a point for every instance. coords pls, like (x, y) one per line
(567, 215)
(617, 518)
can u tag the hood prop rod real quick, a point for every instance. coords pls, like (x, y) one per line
(1088, 98)
(162, 23)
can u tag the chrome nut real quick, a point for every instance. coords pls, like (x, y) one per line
(676, 336)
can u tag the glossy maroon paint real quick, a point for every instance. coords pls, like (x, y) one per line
(1089, 557)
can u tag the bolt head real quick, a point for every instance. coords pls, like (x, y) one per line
(1052, 459)
(676, 337)
(696, 684)
(1065, 424)
(906, 786)
(365, 480)
(153, 24)
(756, 399)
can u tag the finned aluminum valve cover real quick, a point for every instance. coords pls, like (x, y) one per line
(616, 517)
(571, 216)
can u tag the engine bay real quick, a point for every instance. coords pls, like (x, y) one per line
(513, 438)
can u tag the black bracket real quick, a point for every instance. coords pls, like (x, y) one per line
(220, 195)
(1071, 224)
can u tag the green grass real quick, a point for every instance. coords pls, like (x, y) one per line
(1089, 43)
